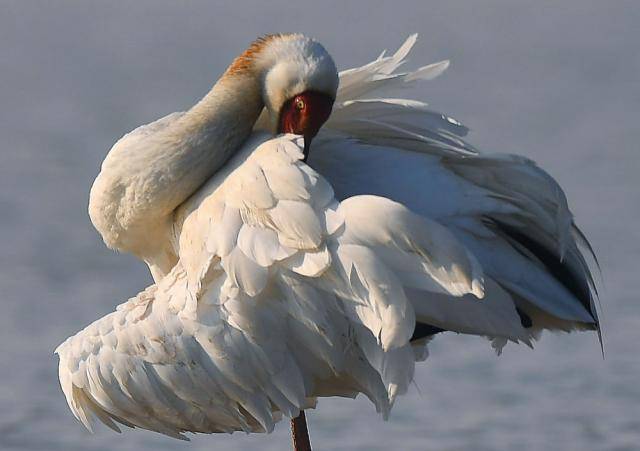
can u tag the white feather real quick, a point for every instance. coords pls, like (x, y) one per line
(271, 292)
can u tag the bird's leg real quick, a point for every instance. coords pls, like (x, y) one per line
(299, 433)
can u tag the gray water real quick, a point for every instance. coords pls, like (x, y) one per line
(556, 81)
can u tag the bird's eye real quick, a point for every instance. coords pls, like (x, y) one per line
(300, 104)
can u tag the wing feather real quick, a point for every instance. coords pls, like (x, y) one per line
(509, 213)
(277, 298)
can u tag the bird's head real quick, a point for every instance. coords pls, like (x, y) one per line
(299, 83)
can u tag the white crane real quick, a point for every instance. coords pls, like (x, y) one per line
(279, 279)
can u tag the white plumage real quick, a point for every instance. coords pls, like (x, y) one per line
(278, 281)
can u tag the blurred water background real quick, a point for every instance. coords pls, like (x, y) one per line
(556, 81)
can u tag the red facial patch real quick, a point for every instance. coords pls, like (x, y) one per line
(305, 113)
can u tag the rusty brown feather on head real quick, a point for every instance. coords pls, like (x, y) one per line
(298, 81)
(244, 62)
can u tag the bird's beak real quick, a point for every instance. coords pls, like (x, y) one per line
(307, 146)
(319, 109)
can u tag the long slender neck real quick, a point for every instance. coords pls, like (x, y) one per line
(208, 134)
(148, 173)
(232, 105)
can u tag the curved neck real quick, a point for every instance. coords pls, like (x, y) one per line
(151, 171)
(229, 110)
(208, 134)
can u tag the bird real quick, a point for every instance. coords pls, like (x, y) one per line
(308, 234)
